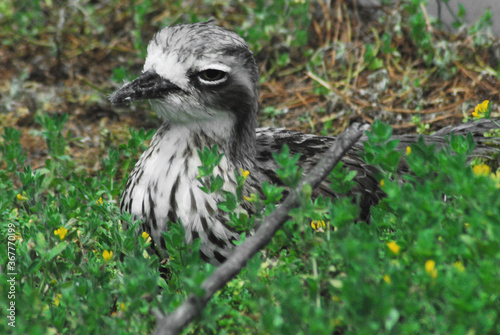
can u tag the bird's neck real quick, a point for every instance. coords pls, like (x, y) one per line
(236, 143)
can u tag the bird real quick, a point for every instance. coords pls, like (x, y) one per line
(202, 80)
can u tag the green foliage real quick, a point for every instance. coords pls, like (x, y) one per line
(457, 234)
(347, 278)
(121, 75)
(214, 183)
(341, 180)
(374, 63)
(333, 276)
(271, 112)
(268, 19)
(210, 159)
(418, 29)
(63, 283)
(422, 128)
(29, 19)
(140, 10)
(288, 172)
(130, 151)
(11, 149)
(481, 29)
(379, 149)
(386, 44)
(437, 52)
(26, 17)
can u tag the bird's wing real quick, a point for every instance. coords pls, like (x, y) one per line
(311, 148)
(367, 189)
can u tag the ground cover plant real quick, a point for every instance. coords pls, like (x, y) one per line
(423, 265)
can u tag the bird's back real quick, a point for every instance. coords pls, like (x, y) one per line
(312, 147)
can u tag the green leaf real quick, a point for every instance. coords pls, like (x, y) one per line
(57, 250)
(381, 130)
(41, 243)
(216, 184)
(230, 204)
(386, 43)
(376, 64)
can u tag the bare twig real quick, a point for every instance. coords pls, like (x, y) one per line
(427, 21)
(174, 322)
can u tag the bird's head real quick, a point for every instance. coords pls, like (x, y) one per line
(196, 73)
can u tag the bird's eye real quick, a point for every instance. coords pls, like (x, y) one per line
(212, 76)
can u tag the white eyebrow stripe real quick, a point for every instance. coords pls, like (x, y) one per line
(216, 66)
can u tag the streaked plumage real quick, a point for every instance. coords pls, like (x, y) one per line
(202, 80)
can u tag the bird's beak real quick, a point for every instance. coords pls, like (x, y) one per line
(147, 86)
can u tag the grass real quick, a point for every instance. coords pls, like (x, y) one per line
(421, 266)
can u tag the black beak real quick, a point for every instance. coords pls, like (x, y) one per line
(148, 86)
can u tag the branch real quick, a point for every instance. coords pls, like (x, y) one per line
(192, 307)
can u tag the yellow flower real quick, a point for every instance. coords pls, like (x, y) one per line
(146, 237)
(122, 306)
(21, 197)
(467, 225)
(459, 266)
(57, 299)
(430, 268)
(481, 169)
(480, 110)
(107, 255)
(244, 173)
(393, 247)
(318, 224)
(387, 279)
(61, 232)
(99, 201)
(408, 150)
(382, 183)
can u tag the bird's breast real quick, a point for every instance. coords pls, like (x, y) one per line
(164, 187)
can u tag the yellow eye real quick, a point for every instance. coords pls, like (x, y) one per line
(212, 76)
